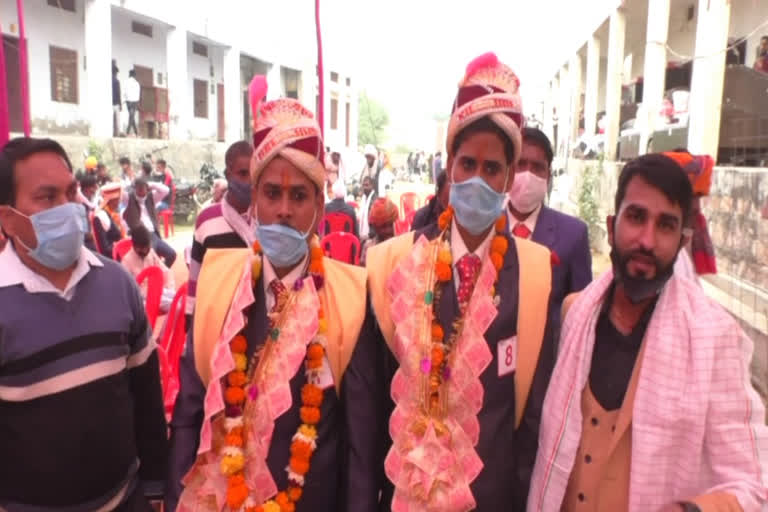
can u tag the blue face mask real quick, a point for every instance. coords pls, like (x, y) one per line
(282, 245)
(60, 232)
(241, 192)
(475, 204)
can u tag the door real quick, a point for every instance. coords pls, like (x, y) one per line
(13, 82)
(220, 110)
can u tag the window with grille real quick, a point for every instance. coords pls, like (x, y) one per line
(67, 5)
(63, 75)
(334, 114)
(334, 76)
(199, 49)
(349, 82)
(141, 28)
(201, 98)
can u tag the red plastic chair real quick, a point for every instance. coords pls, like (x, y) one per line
(402, 226)
(409, 202)
(121, 248)
(342, 246)
(337, 221)
(167, 216)
(172, 345)
(154, 277)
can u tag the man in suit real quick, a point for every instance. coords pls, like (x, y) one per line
(429, 213)
(463, 306)
(529, 218)
(283, 416)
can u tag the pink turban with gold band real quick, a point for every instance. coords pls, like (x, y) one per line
(489, 89)
(287, 129)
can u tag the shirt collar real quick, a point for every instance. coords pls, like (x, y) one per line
(529, 222)
(459, 248)
(289, 279)
(16, 272)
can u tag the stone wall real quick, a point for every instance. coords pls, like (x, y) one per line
(737, 211)
(184, 157)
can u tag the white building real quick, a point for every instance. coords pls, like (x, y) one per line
(627, 65)
(193, 58)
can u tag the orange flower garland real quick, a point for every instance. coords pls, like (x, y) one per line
(436, 364)
(304, 441)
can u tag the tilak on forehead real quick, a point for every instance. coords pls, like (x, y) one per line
(489, 89)
(284, 128)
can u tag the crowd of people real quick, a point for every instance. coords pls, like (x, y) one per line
(469, 364)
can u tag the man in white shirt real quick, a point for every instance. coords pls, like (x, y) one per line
(132, 97)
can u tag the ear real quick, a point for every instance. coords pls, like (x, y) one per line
(15, 225)
(609, 223)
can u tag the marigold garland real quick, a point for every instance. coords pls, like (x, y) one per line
(304, 441)
(436, 365)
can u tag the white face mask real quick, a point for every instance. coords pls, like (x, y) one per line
(527, 192)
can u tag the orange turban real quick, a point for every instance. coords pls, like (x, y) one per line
(698, 169)
(383, 211)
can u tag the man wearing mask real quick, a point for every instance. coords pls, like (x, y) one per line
(79, 374)
(279, 390)
(650, 406)
(141, 211)
(529, 218)
(227, 224)
(462, 306)
(141, 256)
(366, 202)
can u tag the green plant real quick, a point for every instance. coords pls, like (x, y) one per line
(96, 149)
(588, 196)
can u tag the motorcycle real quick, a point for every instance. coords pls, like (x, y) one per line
(204, 189)
(185, 207)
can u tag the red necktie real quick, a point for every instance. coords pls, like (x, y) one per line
(467, 268)
(279, 292)
(521, 231)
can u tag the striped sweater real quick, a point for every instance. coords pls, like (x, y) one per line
(81, 412)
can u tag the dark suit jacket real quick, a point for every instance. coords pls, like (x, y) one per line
(568, 237)
(342, 475)
(508, 455)
(427, 214)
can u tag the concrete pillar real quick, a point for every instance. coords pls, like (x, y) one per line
(564, 118)
(655, 69)
(574, 67)
(708, 76)
(353, 115)
(180, 102)
(274, 82)
(98, 61)
(549, 103)
(616, 35)
(556, 113)
(593, 85)
(233, 96)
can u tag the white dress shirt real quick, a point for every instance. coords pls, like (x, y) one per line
(529, 222)
(269, 274)
(16, 272)
(459, 250)
(132, 90)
